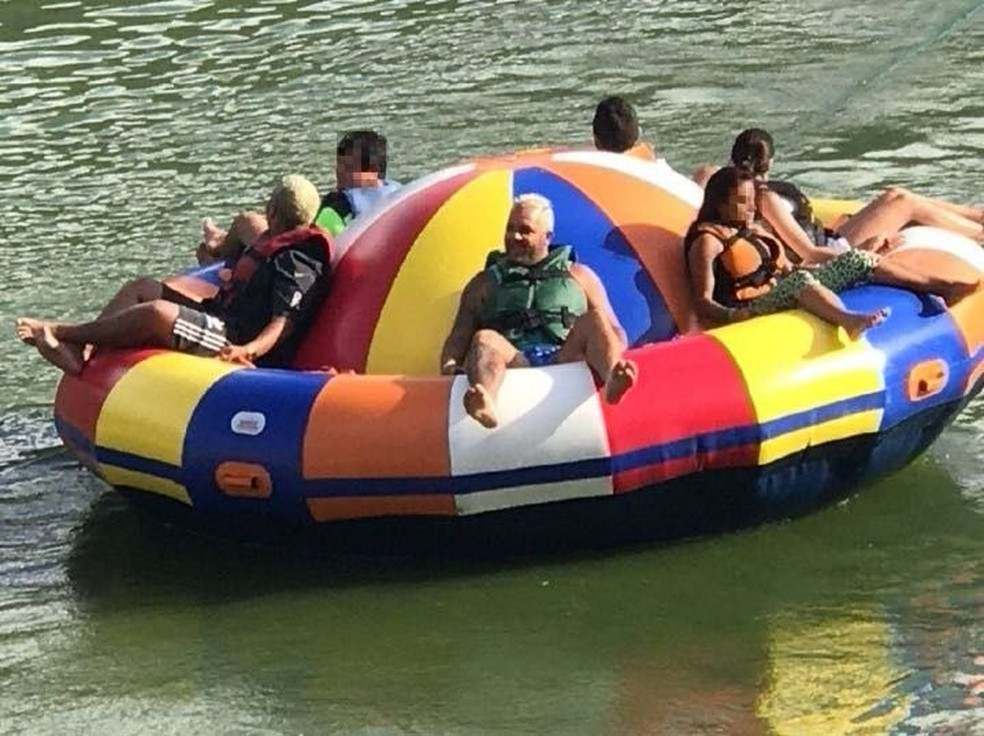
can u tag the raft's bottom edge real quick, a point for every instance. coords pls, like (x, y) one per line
(710, 503)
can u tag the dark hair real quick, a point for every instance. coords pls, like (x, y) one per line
(752, 151)
(370, 147)
(719, 188)
(615, 125)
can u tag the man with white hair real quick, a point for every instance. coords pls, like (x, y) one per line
(267, 298)
(533, 306)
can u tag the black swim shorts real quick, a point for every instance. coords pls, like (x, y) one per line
(198, 333)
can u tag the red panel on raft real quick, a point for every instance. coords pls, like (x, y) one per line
(79, 400)
(689, 410)
(342, 331)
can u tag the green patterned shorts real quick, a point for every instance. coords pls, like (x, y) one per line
(837, 274)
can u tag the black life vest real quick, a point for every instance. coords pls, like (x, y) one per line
(802, 210)
(262, 251)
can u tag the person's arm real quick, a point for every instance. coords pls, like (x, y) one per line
(597, 297)
(465, 325)
(772, 210)
(270, 336)
(296, 273)
(701, 262)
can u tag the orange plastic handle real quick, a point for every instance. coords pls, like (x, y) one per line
(927, 379)
(244, 480)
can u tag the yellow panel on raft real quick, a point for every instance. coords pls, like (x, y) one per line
(411, 330)
(145, 482)
(146, 414)
(793, 362)
(831, 212)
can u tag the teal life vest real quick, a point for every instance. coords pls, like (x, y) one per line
(535, 304)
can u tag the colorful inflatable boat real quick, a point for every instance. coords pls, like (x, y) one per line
(761, 420)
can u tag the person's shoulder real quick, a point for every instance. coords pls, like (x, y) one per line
(585, 276)
(643, 151)
(481, 281)
(305, 252)
(337, 200)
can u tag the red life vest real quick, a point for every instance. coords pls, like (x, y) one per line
(265, 248)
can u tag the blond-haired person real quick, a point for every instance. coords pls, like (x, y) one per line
(261, 309)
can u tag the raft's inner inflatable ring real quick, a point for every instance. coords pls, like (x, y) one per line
(401, 269)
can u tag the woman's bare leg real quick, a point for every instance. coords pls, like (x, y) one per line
(894, 273)
(821, 302)
(896, 207)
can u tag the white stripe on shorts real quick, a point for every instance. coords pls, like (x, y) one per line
(194, 333)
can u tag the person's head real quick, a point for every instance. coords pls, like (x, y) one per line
(360, 159)
(752, 151)
(615, 125)
(529, 229)
(729, 197)
(293, 202)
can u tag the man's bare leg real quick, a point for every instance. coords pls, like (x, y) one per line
(133, 292)
(150, 323)
(594, 340)
(488, 357)
(60, 354)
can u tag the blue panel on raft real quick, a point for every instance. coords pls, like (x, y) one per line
(208, 274)
(284, 398)
(600, 246)
(917, 330)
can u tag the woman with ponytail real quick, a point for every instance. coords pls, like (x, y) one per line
(874, 227)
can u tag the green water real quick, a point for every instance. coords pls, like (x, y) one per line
(125, 123)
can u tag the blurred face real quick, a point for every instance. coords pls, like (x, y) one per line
(740, 204)
(350, 175)
(344, 171)
(527, 240)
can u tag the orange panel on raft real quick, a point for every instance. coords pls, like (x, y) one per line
(379, 427)
(658, 247)
(333, 509)
(967, 313)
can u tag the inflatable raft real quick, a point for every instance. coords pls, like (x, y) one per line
(761, 420)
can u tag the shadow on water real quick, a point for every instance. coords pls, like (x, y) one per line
(120, 554)
(719, 633)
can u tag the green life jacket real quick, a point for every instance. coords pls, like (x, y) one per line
(536, 304)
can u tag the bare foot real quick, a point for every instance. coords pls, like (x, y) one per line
(480, 406)
(212, 234)
(24, 328)
(212, 239)
(59, 354)
(856, 323)
(621, 378)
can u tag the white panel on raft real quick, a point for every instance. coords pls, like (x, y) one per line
(547, 417)
(934, 238)
(657, 172)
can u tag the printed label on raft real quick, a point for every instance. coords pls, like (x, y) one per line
(248, 422)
